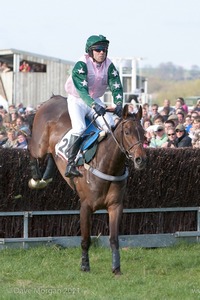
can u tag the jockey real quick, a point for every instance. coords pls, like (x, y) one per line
(91, 75)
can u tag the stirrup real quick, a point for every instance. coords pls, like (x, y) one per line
(72, 171)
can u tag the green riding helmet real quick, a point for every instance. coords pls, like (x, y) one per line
(95, 39)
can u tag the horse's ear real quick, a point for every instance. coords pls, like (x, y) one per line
(125, 111)
(139, 113)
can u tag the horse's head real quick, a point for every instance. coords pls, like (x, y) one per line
(131, 137)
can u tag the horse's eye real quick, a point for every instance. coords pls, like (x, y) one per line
(126, 132)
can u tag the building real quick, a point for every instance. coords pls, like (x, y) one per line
(45, 76)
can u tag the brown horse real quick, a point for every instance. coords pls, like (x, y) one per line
(51, 122)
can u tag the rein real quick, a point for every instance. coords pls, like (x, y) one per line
(116, 141)
(123, 150)
(120, 145)
(103, 175)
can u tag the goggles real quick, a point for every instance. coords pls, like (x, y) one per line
(99, 48)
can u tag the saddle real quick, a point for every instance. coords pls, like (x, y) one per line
(90, 140)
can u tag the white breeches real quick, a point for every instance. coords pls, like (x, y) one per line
(78, 110)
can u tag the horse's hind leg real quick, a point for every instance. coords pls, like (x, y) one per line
(36, 175)
(35, 169)
(115, 214)
(85, 220)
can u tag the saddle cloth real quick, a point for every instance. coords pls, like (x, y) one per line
(90, 139)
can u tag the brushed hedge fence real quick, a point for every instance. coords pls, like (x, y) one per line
(171, 179)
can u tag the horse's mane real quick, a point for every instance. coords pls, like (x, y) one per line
(52, 96)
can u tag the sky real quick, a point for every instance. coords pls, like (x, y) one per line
(156, 31)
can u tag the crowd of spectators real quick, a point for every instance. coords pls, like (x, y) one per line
(170, 127)
(24, 67)
(166, 126)
(15, 126)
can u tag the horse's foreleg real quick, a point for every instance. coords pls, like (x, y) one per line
(50, 168)
(85, 221)
(115, 213)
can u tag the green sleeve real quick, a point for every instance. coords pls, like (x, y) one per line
(115, 85)
(79, 77)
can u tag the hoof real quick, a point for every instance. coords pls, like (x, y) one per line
(117, 272)
(33, 184)
(85, 268)
(38, 184)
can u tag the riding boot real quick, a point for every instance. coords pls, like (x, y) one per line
(74, 145)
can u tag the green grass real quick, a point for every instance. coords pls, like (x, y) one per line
(54, 273)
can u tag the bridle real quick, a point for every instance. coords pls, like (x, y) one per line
(121, 142)
(132, 146)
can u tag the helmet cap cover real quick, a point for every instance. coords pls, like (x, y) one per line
(96, 39)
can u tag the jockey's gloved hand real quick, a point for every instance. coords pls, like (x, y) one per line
(118, 109)
(100, 110)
